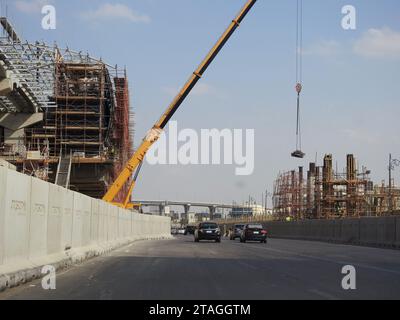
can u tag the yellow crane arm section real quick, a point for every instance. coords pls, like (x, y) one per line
(154, 133)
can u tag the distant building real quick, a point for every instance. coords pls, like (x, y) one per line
(192, 218)
(245, 210)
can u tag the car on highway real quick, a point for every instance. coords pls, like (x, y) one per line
(236, 231)
(190, 230)
(253, 232)
(207, 231)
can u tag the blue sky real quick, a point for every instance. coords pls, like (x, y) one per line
(351, 80)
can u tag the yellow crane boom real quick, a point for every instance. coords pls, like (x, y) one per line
(134, 164)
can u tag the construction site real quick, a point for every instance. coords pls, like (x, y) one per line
(79, 222)
(325, 193)
(65, 117)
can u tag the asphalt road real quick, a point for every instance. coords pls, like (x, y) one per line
(184, 270)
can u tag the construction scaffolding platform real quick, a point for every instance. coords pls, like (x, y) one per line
(84, 113)
(328, 194)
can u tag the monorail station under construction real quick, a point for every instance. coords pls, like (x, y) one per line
(65, 117)
(69, 165)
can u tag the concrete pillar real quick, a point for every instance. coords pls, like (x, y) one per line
(187, 208)
(293, 205)
(301, 198)
(327, 187)
(162, 209)
(351, 186)
(212, 209)
(6, 87)
(317, 193)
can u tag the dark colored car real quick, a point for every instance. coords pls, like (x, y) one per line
(207, 231)
(254, 232)
(190, 230)
(236, 231)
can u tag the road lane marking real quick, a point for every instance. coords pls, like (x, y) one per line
(360, 265)
(323, 294)
(245, 264)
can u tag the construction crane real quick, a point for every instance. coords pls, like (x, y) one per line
(135, 163)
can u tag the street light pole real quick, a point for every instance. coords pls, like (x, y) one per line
(390, 183)
(392, 164)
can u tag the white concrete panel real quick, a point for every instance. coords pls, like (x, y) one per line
(115, 224)
(3, 186)
(112, 230)
(109, 221)
(152, 226)
(124, 223)
(67, 216)
(17, 217)
(38, 222)
(103, 222)
(138, 225)
(147, 224)
(129, 223)
(95, 221)
(123, 217)
(54, 220)
(77, 220)
(86, 219)
(120, 223)
(134, 224)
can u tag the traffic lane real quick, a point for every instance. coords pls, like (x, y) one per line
(386, 259)
(320, 265)
(178, 269)
(182, 269)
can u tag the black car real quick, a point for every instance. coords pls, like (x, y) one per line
(207, 231)
(236, 231)
(189, 230)
(253, 232)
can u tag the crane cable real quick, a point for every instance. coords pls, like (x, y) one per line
(299, 68)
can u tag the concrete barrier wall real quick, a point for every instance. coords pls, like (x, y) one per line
(41, 223)
(39, 219)
(372, 231)
(3, 182)
(17, 209)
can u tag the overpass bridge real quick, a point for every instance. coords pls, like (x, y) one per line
(187, 205)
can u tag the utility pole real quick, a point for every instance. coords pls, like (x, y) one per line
(392, 164)
(390, 183)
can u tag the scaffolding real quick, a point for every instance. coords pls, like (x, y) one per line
(86, 113)
(31, 69)
(328, 194)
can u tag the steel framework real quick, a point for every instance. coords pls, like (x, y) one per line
(328, 194)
